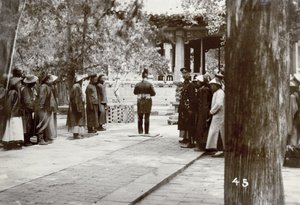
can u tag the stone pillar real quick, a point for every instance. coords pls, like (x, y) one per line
(202, 57)
(168, 54)
(179, 54)
(297, 56)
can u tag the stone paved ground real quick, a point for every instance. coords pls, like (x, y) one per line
(111, 168)
(200, 183)
(203, 183)
(84, 171)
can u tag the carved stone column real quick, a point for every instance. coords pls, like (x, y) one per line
(179, 54)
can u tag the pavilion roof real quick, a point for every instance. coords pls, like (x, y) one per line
(174, 20)
(168, 13)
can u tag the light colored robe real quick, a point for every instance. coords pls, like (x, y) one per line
(217, 124)
(293, 140)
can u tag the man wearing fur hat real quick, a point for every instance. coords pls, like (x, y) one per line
(13, 135)
(204, 97)
(76, 112)
(92, 104)
(28, 101)
(46, 103)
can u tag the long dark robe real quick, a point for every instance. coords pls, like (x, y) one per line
(102, 100)
(76, 112)
(2, 110)
(27, 101)
(45, 105)
(204, 97)
(187, 108)
(92, 106)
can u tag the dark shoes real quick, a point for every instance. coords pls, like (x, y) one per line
(183, 141)
(76, 137)
(91, 130)
(210, 152)
(27, 144)
(199, 147)
(101, 129)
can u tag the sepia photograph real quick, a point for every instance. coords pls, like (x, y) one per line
(150, 102)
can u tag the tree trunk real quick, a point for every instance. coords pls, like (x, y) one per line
(84, 32)
(257, 97)
(9, 20)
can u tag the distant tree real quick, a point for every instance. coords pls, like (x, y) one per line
(85, 36)
(212, 11)
(293, 17)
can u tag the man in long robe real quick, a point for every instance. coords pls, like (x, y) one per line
(217, 124)
(92, 105)
(102, 102)
(2, 108)
(45, 105)
(186, 110)
(204, 97)
(28, 102)
(293, 119)
(76, 112)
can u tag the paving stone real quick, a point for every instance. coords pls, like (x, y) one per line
(111, 164)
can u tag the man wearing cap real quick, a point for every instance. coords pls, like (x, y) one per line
(45, 105)
(13, 135)
(102, 102)
(217, 124)
(27, 102)
(92, 104)
(204, 97)
(187, 109)
(144, 91)
(76, 112)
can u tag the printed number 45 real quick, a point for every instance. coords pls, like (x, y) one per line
(244, 184)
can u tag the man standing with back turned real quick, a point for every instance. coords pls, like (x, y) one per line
(144, 90)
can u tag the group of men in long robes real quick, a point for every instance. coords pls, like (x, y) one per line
(27, 110)
(95, 100)
(201, 113)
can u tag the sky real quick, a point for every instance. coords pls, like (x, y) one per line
(163, 6)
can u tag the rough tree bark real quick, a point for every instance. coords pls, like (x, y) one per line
(10, 12)
(256, 101)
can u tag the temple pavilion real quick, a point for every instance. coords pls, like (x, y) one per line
(184, 44)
